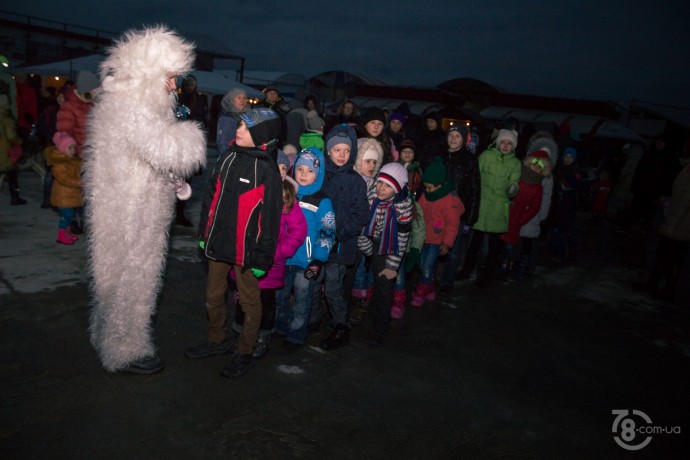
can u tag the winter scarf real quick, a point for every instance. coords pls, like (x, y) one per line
(441, 192)
(389, 233)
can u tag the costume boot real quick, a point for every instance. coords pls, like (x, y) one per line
(358, 306)
(63, 237)
(420, 294)
(398, 306)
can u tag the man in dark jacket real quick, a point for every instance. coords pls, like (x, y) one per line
(463, 171)
(238, 229)
(348, 193)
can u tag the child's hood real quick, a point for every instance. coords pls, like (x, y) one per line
(305, 190)
(364, 145)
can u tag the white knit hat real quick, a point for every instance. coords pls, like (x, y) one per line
(509, 134)
(393, 174)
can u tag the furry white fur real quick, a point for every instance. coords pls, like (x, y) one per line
(134, 142)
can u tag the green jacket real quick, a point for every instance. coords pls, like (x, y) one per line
(498, 173)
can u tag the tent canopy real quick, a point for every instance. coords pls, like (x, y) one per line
(582, 124)
(207, 82)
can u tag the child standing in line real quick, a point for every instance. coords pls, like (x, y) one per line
(367, 164)
(304, 267)
(525, 206)
(385, 238)
(372, 126)
(293, 231)
(442, 212)
(499, 171)
(348, 193)
(414, 170)
(238, 230)
(66, 194)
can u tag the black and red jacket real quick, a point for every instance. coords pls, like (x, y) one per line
(240, 212)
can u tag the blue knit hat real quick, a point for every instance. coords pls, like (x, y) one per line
(282, 159)
(570, 151)
(309, 160)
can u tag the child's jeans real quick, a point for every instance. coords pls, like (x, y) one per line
(293, 321)
(66, 217)
(427, 262)
(363, 278)
(450, 271)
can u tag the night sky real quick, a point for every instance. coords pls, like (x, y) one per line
(610, 50)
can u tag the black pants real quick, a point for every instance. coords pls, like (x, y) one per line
(382, 298)
(495, 250)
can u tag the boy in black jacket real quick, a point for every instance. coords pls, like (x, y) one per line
(238, 229)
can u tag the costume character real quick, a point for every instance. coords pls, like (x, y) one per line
(136, 153)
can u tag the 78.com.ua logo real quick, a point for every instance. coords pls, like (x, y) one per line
(626, 427)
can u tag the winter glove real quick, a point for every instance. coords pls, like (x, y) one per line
(411, 260)
(365, 245)
(313, 269)
(258, 273)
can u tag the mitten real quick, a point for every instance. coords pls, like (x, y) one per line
(512, 190)
(258, 273)
(365, 245)
(313, 269)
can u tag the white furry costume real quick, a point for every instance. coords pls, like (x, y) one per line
(134, 142)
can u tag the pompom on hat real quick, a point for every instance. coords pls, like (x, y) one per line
(63, 141)
(395, 175)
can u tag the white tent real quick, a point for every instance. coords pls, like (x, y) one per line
(217, 83)
(69, 68)
(594, 126)
(207, 82)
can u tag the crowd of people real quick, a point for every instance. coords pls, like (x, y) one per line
(307, 215)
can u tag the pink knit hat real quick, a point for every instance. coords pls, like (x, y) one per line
(63, 141)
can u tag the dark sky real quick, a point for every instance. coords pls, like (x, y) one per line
(611, 50)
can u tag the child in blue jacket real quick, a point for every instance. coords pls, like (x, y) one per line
(304, 267)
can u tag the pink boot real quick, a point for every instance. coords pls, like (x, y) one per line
(63, 237)
(419, 296)
(431, 292)
(398, 307)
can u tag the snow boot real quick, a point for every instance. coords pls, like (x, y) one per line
(420, 294)
(399, 300)
(63, 237)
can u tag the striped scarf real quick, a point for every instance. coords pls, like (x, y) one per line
(389, 233)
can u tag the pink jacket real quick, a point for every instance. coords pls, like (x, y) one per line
(293, 231)
(442, 219)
